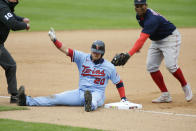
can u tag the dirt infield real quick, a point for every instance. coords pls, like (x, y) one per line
(44, 71)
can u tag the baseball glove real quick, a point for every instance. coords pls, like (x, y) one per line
(120, 59)
(52, 34)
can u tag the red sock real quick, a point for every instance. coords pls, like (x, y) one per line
(158, 79)
(179, 76)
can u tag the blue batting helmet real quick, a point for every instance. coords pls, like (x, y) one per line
(98, 46)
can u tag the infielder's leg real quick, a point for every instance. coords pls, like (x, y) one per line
(9, 65)
(154, 59)
(171, 59)
(70, 98)
(171, 54)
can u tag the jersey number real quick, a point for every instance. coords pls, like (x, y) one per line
(9, 15)
(99, 81)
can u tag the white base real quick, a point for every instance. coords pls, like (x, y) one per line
(123, 105)
(4, 96)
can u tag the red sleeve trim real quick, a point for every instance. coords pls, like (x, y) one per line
(139, 43)
(121, 90)
(58, 44)
(70, 53)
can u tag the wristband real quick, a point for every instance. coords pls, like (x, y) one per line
(57, 43)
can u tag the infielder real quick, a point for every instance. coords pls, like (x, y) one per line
(94, 73)
(10, 21)
(166, 42)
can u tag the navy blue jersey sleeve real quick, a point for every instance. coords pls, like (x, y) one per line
(8, 18)
(150, 26)
(19, 18)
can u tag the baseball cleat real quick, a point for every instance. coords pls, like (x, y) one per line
(21, 96)
(188, 92)
(164, 98)
(88, 101)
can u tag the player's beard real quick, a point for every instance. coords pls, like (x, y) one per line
(97, 60)
(96, 56)
(140, 11)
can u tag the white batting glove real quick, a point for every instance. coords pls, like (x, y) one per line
(124, 100)
(52, 34)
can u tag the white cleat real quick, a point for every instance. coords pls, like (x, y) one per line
(188, 92)
(164, 98)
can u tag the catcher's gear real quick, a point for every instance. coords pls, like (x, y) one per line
(120, 59)
(52, 34)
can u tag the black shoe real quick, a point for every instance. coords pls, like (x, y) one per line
(21, 96)
(88, 101)
(13, 99)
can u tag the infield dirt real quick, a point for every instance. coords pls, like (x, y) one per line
(44, 71)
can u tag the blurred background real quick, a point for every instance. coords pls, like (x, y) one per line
(100, 14)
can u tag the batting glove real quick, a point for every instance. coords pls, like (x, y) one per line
(123, 99)
(52, 34)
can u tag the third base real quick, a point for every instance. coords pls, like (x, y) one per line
(123, 105)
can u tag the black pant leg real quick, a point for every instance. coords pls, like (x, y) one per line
(9, 65)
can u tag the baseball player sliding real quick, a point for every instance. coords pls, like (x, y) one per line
(94, 73)
(166, 42)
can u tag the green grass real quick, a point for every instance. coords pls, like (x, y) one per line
(179, 12)
(13, 125)
(100, 14)
(10, 108)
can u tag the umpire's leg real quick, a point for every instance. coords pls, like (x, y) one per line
(9, 65)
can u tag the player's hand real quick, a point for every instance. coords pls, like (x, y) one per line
(123, 99)
(52, 34)
(26, 20)
(120, 59)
